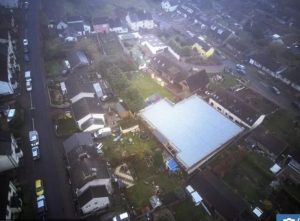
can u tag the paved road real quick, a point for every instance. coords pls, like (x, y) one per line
(262, 85)
(50, 167)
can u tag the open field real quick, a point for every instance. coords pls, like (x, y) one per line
(147, 86)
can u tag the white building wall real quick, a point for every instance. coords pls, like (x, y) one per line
(96, 182)
(95, 204)
(81, 95)
(226, 112)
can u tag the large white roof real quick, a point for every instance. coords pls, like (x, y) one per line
(192, 126)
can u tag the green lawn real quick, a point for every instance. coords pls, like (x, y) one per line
(52, 68)
(147, 86)
(144, 158)
(66, 127)
(250, 177)
(186, 209)
(227, 82)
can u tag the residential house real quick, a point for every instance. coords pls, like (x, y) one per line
(153, 43)
(203, 48)
(85, 96)
(89, 114)
(86, 167)
(137, 19)
(166, 71)
(77, 59)
(117, 25)
(9, 3)
(217, 196)
(291, 171)
(101, 24)
(10, 153)
(10, 201)
(77, 24)
(220, 33)
(271, 144)
(61, 25)
(195, 82)
(169, 5)
(9, 68)
(235, 108)
(94, 199)
(291, 78)
(120, 110)
(268, 65)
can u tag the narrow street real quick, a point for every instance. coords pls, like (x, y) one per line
(51, 166)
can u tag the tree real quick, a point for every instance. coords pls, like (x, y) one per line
(133, 99)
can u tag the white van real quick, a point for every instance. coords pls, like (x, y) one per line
(103, 132)
(27, 76)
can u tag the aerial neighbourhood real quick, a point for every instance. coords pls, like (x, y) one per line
(149, 110)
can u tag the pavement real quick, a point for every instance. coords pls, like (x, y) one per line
(50, 167)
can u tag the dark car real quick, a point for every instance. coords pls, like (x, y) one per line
(26, 49)
(26, 57)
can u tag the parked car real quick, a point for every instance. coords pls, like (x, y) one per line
(240, 66)
(25, 42)
(26, 57)
(103, 132)
(34, 138)
(26, 49)
(28, 86)
(26, 5)
(276, 90)
(41, 205)
(35, 152)
(39, 188)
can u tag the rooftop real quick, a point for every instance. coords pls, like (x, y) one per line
(192, 127)
(77, 58)
(3, 63)
(100, 20)
(86, 106)
(92, 192)
(270, 141)
(218, 195)
(197, 81)
(236, 105)
(153, 40)
(76, 140)
(86, 165)
(165, 66)
(266, 61)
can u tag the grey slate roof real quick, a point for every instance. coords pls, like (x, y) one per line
(100, 20)
(77, 59)
(86, 106)
(76, 140)
(218, 195)
(92, 192)
(3, 63)
(197, 81)
(86, 165)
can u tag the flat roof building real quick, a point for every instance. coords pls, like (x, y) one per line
(192, 130)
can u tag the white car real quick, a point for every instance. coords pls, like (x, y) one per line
(35, 152)
(25, 42)
(41, 205)
(239, 66)
(28, 86)
(34, 138)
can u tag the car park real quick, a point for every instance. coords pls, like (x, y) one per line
(39, 188)
(34, 138)
(35, 152)
(41, 205)
(28, 86)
